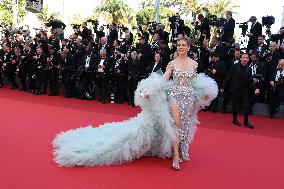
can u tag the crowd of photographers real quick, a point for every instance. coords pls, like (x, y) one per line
(99, 64)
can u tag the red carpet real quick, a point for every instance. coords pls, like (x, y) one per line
(222, 156)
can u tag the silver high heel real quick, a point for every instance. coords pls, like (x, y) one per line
(176, 161)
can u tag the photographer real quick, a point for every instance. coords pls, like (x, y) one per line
(155, 42)
(215, 46)
(176, 25)
(278, 38)
(228, 28)
(57, 27)
(27, 68)
(133, 69)
(146, 56)
(86, 33)
(128, 33)
(260, 48)
(258, 72)
(120, 72)
(113, 34)
(39, 71)
(105, 67)
(255, 31)
(276, 81)
(99, 33)
(86, 69)
(53, 62)
(216, 71)
(203, 26)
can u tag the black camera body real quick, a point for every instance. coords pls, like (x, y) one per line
(94, 22)
(268, 21)
(214, 21)
(76, 26)
(244, 27)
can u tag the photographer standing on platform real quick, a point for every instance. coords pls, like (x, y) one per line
(255, 31)
(177, 25)
(57, 27)
(203, 26)
(228, 28)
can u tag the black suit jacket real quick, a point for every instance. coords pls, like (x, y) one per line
(109, 64)
(113, 35)
(221, 71)
(260, 52)
(256, 30)
(229, 28)
(204, 27)
(159, 66)
(92, 63)
(239, 79)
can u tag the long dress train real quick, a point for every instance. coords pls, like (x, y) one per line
(151, 132)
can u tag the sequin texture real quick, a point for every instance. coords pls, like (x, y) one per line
(183, 95)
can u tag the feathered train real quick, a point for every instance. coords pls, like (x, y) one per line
(151, 132)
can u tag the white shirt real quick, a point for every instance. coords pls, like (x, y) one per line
(87, 64)
(253, 67)
(279, 73)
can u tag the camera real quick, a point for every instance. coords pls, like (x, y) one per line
(214, 21)
(94, 22)
(76, 26)
(244, 27)
(268, 21)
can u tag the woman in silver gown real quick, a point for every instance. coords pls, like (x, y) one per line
(165, 127)
(181, 99)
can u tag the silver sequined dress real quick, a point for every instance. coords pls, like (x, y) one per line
(182, 94)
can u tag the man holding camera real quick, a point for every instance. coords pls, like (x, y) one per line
(228, 28)
(255, 31)
(258, 72)
(216, 71)
(177, 25)
(203, 26)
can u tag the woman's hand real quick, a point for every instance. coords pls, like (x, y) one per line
(144, 93)
(206, 98)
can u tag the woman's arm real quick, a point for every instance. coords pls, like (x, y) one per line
(166, 76)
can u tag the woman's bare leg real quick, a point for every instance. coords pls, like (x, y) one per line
(176, 117)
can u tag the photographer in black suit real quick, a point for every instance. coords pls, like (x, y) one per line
(156, 65)
(133, 69)
(276, 81)
(86, 69)
(120, 72)
(255, 31)
(177, 25)
(113, 34)
(228, 28)
(260, 48)
(104, 74)
(40, 71)
(203, 26)
(258, 72)
(239, 79)
(68, 70)
(216, 71)
(53, 62)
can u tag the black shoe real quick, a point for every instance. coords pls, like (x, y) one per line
(51, 94)
(272, 116)
(237, 123)
(249, 125)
